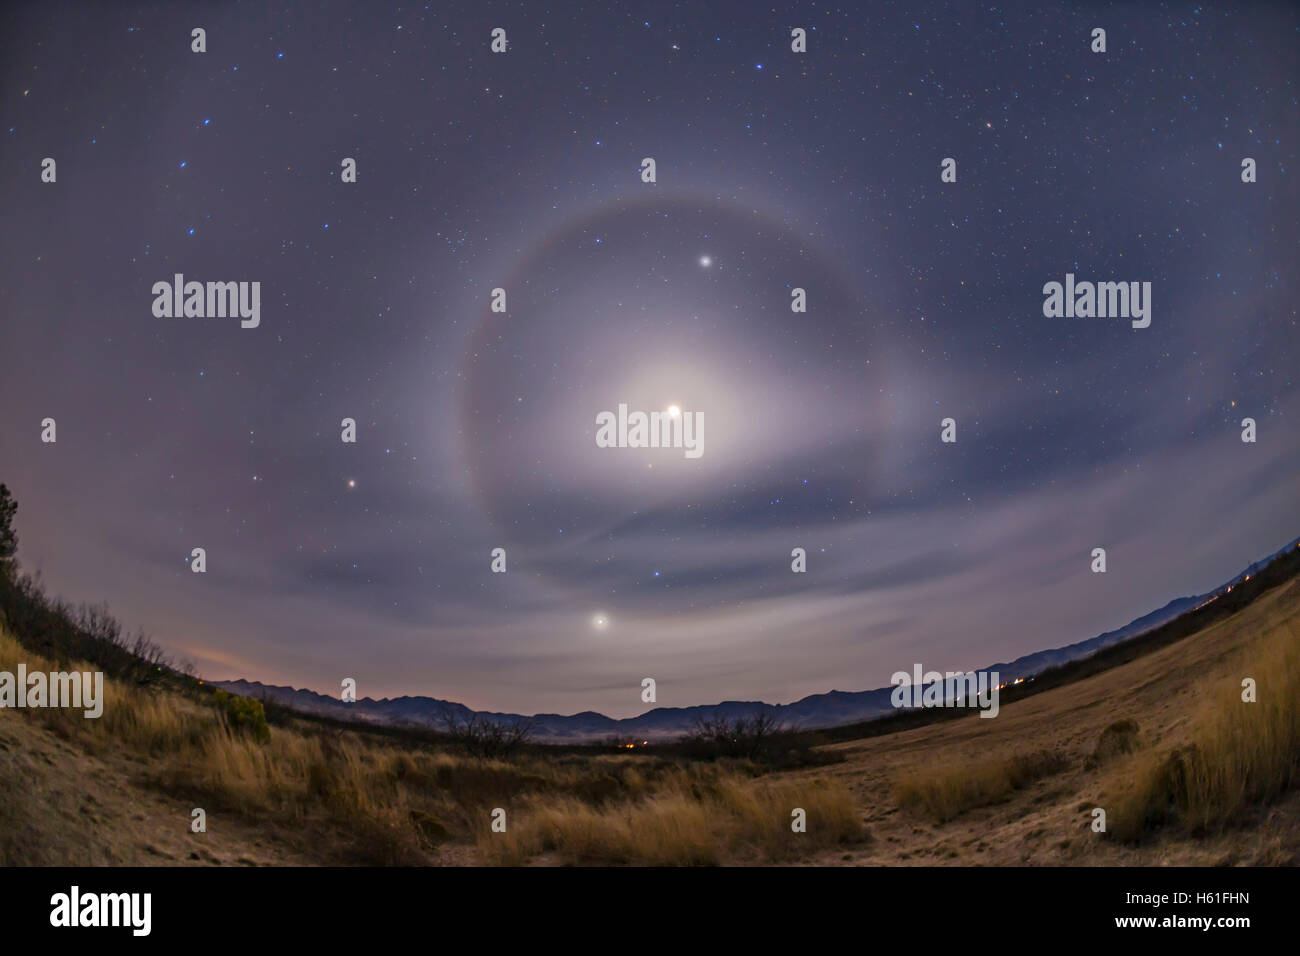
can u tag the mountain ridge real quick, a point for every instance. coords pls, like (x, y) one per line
(816, 711)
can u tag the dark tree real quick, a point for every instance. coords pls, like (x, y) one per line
(8, 536)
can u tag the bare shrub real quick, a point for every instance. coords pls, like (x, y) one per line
(482, 737)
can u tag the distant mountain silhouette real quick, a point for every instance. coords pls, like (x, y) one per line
(830, 709)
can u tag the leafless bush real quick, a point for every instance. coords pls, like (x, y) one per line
(760, 737)
(483, 737)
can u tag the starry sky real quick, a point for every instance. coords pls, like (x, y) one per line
(476, 430)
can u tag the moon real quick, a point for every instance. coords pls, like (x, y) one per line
(706, 261)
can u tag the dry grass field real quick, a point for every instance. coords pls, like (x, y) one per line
(1186, 772)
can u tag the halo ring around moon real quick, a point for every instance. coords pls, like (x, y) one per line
(480, 389)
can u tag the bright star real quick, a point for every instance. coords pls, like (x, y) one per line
(705, 261)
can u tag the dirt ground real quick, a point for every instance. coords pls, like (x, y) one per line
(65, 807)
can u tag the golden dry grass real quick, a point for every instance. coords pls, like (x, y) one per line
(1115, 729)
(348, 797)
(684, 822)
(942, 791)
(1239, 754)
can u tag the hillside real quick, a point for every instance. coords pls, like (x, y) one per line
(1017, 789)
(1171, 695)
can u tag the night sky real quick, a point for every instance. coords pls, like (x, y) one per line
(476, 430)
